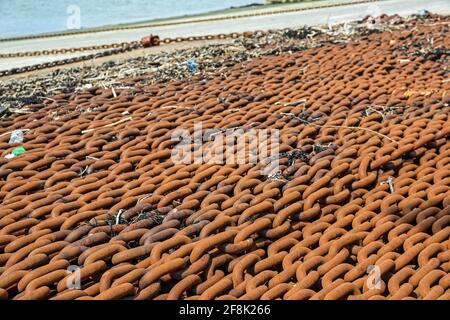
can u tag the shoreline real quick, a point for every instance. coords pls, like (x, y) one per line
(215, 14)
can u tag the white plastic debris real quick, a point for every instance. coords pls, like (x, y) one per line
(389, 181)
(422, 12)
(15, 152)
(119, 214)
(16, 137)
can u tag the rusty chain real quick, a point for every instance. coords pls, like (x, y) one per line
(67, 50)
(112, 49)
(361, 190)
(145, 42)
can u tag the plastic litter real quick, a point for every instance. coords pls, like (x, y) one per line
(15, 152)
(16, 137)
(18, 151)
(192, 66)
(422, 12)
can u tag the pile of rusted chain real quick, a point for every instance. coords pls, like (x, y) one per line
(361, 192)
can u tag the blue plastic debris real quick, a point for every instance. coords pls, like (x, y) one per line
(192, 66)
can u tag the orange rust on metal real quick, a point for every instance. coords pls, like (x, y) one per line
(150, 41)
(362, 187)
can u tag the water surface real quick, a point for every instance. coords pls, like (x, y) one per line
(24, 17)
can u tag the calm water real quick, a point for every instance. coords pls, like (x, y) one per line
(23, 17)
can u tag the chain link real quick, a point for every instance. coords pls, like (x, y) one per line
(131, 46)
(52, 52)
